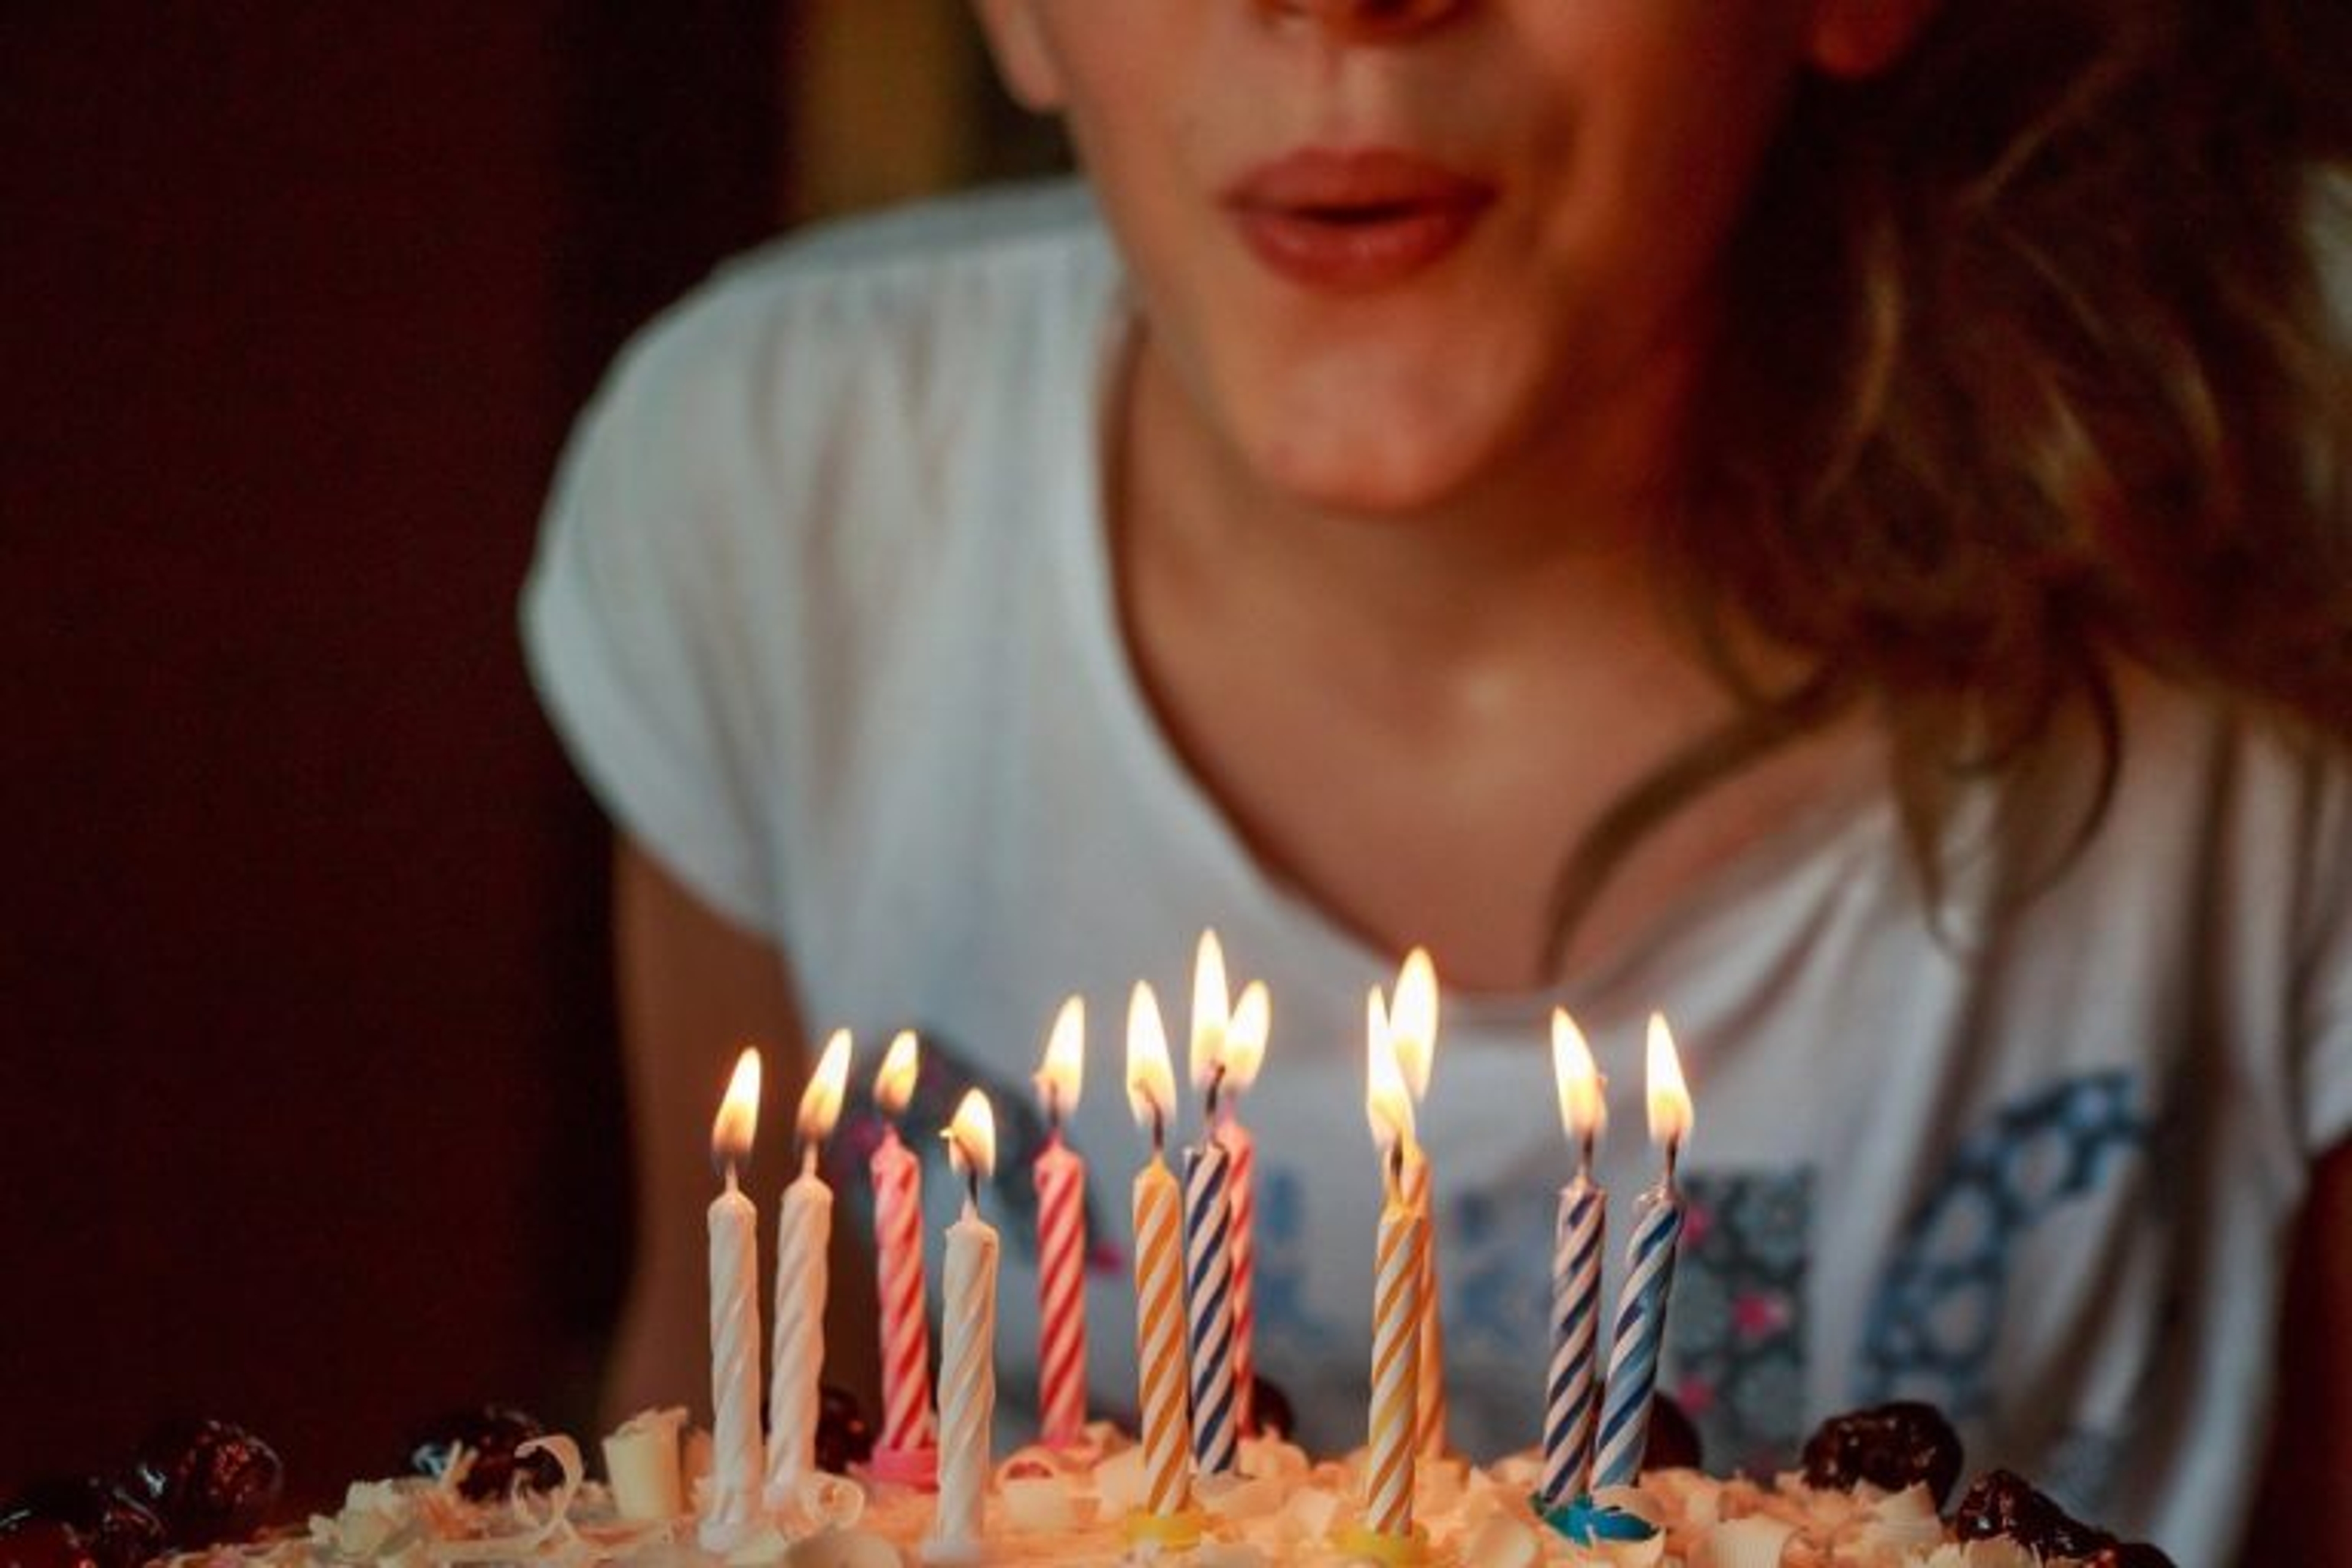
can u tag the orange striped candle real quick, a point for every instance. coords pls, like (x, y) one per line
(1159, 1360)
(1394, 1435)
(1413, 1036)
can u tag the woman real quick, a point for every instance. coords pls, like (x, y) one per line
(1668, 504)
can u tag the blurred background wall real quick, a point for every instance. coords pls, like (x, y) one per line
(310, 1112)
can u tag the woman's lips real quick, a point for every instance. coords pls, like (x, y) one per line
(1354, 220)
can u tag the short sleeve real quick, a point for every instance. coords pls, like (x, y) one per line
(2323, 1010)
(640, 629)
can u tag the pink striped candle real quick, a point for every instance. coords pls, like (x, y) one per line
(1244, 1053)
(1061, 1178)
(906, 1450)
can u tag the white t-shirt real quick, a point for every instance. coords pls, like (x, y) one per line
(824, 610)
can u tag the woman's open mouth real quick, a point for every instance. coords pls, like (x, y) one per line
(1356, 219)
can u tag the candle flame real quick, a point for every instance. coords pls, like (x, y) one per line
(1584, 1110)
(971, 1136)
(1210, 1010)
(1412, 1022)
(894, 1080)
(1388, 1105)
(1062, 1072)
(738, 1114)
(1150, 1080)
(1245, 1037)
(821, 1100)
(1670, 1100)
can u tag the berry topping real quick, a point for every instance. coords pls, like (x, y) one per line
(27, 1542)
(1890, 1446)
(110, 1524)
(1672, 1442)
(844, 1438)
(210, 1480)
(1271, 1408)
(491, 1434)
(2130, 1554)
(2001, 1503)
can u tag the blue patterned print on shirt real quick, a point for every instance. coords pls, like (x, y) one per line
(1936, 1317)
(1736, 1333)
(1288, 1327)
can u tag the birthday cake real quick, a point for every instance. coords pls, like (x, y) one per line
(1874, 1493)
(1208, 1480)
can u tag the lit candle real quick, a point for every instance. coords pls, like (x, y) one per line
(1640, 1332)
(968, 1342)
(1166, 1514)
(1061, 1178)
(1208, 1230)
(735, 1446)
(1572, 1393)
(904, 1450)
(803, 1229)
(1396, 1299)
(1412, 1030)
(1246, 1038)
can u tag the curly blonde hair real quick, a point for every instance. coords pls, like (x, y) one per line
(2027, 370)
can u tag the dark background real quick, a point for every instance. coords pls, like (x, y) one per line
(310, 1110)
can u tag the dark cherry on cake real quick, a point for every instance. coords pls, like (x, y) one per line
(1671, 1441)
(1890, 1446)
(1270, 1408)
(491, 1433)
(112, 1526)
(843, 1437)
(208, 1481)
(28, 1542)
(2003, 1503)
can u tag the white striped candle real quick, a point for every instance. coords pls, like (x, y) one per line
(968, 1341)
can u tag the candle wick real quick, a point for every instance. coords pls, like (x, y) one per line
(1673, 1154)
(1584, 1157)
(971, 1189)
(810, 1149)
(1216, 1083)
(731, 1187)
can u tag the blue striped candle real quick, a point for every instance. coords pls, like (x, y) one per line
(1208, 1301)
(1638, 1336)
(1572, 1394)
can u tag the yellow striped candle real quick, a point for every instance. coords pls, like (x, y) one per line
(1159, 1360)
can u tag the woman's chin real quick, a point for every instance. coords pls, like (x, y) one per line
(1376, 475)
